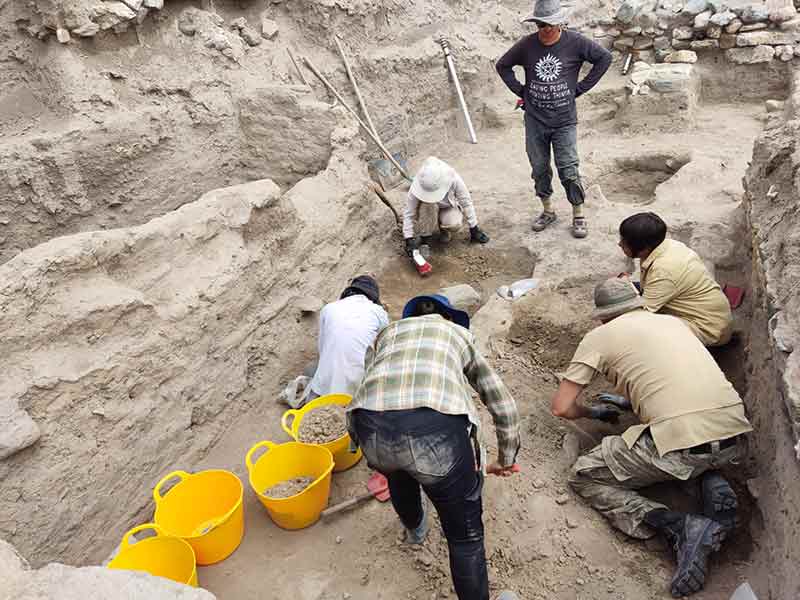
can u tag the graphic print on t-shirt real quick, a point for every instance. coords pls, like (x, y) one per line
(551, 91)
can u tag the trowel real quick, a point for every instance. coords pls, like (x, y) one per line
(377, 487)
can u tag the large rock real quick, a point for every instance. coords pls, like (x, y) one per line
(682, 33)
(629, 9)
(463, 297)
(682, 56)
(723, 19)
(705, 44)
(750, 56)
(754, 13)
(764, 38)
(96, 583)
(667, 79)
(701, 21)
(783, 14)
(727, 41)
(695, 7)
(734, 26)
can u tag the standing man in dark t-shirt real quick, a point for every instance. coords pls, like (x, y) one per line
(552, 59)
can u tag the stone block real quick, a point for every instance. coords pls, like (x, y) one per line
(623, 44)
(695, 7)
(753, 27)
(774, 105)
(463, 297)
(705, 45)
(751, 55)
(734, 26)
(269, 28)
(250, 36)
(155, 4)
(714, 32)
(642, 43)
(792, 25)
(764, 38)
(682, 56)
(701, 21)
(683, 33)
(629, 9)
(670, 78)
(723, 18)
(661, 43)
(784, 53)
(754, 13)
(727, 41)
(718, 6)
(62, 35)
(632, 32)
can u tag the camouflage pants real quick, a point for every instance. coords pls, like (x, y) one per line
(609, 476)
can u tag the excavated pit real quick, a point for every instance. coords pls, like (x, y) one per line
(635, 180)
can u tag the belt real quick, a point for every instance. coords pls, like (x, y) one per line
(712, 447)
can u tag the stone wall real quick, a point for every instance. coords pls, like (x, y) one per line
(667, 31)
(773, 399)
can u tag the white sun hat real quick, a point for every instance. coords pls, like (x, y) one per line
(432, 181)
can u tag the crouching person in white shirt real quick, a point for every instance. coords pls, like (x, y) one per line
(347, 328)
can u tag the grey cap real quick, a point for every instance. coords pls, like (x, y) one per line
(547, 11)
(615, 297)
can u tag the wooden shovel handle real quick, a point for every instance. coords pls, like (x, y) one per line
(328, 512)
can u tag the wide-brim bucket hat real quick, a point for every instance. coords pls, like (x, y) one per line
(432, 181)
(547, 11)
(615, 297)
(459, 317)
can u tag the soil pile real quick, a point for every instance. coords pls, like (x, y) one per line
(323, 425)
(289, 487)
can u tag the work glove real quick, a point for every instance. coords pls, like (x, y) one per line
(476, 234)
(618, 401)
(607, 414)
(411, 245)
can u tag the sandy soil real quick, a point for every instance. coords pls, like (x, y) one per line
(541, 540)
(290, 487)
(323, 425)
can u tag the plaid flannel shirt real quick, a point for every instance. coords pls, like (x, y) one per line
(431, 362)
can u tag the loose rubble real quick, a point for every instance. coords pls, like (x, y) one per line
(289, 487)
(322, 425)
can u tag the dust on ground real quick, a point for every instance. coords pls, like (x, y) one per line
(289, 487)
(322, 425)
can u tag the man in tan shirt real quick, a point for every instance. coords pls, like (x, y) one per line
(691, 422)
(674, 279)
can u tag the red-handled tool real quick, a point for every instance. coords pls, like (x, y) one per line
(423, 266)
(378, 488)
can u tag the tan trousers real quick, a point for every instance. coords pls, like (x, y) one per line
(609, 476)
(430, 218)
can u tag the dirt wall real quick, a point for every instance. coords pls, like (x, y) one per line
(772, 189)
(132, 350)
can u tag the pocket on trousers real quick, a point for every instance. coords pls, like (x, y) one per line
(434, 454)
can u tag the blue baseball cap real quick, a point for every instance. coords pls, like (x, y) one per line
(459, 317)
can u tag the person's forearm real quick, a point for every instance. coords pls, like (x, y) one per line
(506, 73)
(595, 74)
(575, 411)
(408, 217)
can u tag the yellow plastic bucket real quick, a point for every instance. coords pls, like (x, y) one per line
(342, 457)
(286, 461)
(160, 555)
(205, 509)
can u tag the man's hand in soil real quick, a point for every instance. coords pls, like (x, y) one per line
(411, 245)
(497, 469)
(618, 401)
(476, 234)
(607, 414)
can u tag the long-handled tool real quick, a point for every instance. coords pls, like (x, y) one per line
(363, 125)
(380, 169)
(452, 67)
(378, 488)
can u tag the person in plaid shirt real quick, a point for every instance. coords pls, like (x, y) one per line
(414, 419)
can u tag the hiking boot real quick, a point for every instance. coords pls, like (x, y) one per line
(697, 539)
(580, 229)
(418, 535)
(719, 501)
(543, 221)
(445, 236)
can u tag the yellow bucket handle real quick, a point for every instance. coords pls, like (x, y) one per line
(248, 460)
(126, 539)
(286, 426)
(157, 490)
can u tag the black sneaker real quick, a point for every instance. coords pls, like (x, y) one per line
(445, 236)
(719, 501)
(697, 539)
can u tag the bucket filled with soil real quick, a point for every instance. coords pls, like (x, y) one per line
(291, 480)
(323, 422)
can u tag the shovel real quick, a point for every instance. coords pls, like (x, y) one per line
(377, 486)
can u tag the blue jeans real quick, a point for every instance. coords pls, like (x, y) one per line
(564, 140)
(423, 447)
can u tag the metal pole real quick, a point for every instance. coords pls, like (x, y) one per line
(296, 66)
(450, 65)
(366, 128)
